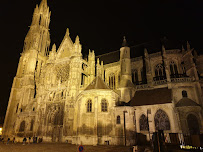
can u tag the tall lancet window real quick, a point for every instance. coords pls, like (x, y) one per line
(159, 72)
(112, 81)
(134, 76)
(173, 69)
(89, 105)
(143, 123)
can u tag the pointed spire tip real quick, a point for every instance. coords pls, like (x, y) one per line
(124, 44)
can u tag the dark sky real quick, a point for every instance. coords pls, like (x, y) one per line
(100, 26)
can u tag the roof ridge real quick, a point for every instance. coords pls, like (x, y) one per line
(107, 53)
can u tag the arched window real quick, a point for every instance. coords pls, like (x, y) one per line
(143, 123)
(112, 81)
(159, 72)
(22, 126)
(184, 93)
(104, 107)
(89, 105)
(173, 69)
(161, 120)
(134, 76)
(31, 126)
(193, 124)
(118, 120)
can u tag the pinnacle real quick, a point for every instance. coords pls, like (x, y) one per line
(77, 41)
(67, 31)
(43, 4)
(124, 44)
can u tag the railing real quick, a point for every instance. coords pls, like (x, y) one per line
(160, 82)
(143, 86)
(178, 80)
(178, 76)
(159, 78)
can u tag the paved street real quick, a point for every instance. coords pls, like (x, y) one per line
(59, 147)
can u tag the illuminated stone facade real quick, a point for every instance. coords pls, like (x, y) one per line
(61, 97)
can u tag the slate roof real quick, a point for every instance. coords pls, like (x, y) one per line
(138, 50)
(110, 57)
(186, 102)
(151, 97)
(97, 83)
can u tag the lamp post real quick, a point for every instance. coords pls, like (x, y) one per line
(124, 125)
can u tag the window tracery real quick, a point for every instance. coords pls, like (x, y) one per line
(112, 81)
(161, 120)
(159, 72)
(173, 68)
(143, 123)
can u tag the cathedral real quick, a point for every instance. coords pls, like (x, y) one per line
(60, 96)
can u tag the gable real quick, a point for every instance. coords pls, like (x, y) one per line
(65, 49)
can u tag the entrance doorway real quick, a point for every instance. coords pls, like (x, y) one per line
(193, 124)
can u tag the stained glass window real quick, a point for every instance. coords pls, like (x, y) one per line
(161, 120)
(143, 122)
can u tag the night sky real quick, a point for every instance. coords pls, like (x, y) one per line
(100, 25)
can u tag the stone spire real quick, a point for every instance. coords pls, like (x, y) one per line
(77, 41)
(124, 44)
(43, 5)
(163, 50)
(146, 53)
(67, 32)
(54, 48)
(38, 37)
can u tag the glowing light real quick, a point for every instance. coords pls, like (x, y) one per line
(1, 131)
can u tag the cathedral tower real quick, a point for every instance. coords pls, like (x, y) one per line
(36, 47)
(126, 84)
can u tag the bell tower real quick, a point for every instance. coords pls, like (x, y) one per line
(33, 57)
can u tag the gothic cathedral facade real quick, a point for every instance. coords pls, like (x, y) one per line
(60, 96)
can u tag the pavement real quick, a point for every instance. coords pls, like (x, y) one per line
(59, 147)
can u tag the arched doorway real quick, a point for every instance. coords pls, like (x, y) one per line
(22, 126)
(161, 120)
(193, 124)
